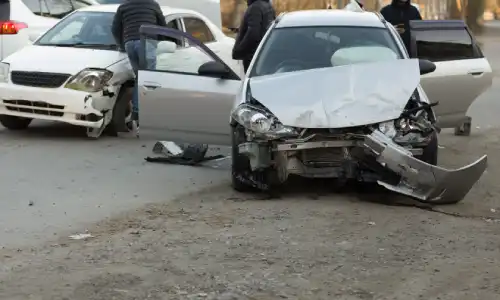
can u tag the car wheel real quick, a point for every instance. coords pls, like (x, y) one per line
(430, 154)
(465, 128)
(242, 177)
(14, 123)
(122, 111)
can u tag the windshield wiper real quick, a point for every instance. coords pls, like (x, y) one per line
(103, 46)
(83, 45)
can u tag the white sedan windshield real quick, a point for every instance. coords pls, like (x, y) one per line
(80, 29)
(304, 48)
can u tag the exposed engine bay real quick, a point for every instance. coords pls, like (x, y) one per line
(400, 154)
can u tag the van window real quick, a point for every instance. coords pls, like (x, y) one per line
(445, 44)
(198, 29)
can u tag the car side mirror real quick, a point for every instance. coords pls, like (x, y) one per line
(214, 69)
(426, 66)
(166, 47)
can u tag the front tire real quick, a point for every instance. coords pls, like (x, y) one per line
(430, 154)
(243, 179)
(121, 111)
(240, 164)
(14, 123)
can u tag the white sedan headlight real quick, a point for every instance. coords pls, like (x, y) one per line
(4, 72)
(90, 80)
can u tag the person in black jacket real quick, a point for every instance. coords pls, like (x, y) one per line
(258, 16)
(129, 17)
(399, 13)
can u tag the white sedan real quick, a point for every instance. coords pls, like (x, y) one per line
(75, 73)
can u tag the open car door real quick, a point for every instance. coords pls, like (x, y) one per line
(462, 72)
(181, 97)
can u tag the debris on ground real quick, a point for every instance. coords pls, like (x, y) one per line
(81, 236)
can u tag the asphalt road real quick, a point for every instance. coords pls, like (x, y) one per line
(55, 181)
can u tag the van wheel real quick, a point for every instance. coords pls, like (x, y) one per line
(15, 123)
(122, 111)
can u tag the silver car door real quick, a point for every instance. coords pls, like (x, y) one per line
(462, 73)
(175, 102)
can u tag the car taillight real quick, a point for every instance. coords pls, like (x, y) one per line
(11, 27)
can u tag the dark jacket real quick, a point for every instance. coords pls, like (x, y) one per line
(131, 15)
(258, 16)
(400, 15)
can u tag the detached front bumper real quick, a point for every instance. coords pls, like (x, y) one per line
(58, 104)
(420, 180)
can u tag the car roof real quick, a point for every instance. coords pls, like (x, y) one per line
(329, 17)
(114, 7)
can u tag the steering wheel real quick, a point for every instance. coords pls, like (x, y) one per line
(290, 65)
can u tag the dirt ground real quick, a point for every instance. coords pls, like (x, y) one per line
(309, 244)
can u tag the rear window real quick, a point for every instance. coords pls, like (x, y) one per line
(54, 8)
(445, 44)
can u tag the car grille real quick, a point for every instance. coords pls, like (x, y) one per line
(38, 79)
(322, 157)
(34, 107)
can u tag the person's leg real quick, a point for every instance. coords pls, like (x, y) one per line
(131, 48)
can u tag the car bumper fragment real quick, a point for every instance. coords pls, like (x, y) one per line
(425, 182)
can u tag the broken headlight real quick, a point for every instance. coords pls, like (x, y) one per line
(261, 121)
(89, 80)
(388, 128)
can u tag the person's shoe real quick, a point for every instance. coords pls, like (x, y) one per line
(136, 128)
(133, 125)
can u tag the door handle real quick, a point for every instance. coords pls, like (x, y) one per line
(151, 85)
(476, 73)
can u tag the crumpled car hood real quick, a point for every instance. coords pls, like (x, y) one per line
(339, 97)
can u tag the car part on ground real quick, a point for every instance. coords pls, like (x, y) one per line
(183, 154)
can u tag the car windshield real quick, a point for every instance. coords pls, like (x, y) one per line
(82, 29)
(304, 48)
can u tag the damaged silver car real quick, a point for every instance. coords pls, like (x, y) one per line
(329, 94)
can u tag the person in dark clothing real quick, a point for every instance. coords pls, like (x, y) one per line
(258, 16)
(129, 17)
(399, 13)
